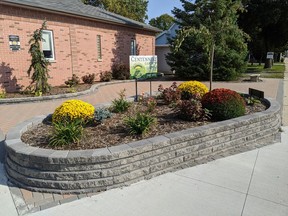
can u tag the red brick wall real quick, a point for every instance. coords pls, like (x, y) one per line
(74, 42)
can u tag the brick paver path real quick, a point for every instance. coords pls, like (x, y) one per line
(12, 114)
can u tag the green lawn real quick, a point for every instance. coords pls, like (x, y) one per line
(277, 71)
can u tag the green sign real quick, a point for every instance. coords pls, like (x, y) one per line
(143, 66)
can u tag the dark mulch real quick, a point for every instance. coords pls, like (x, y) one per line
(113, 132)
(55, 90)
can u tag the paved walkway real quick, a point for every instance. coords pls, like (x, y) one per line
(11, 114)
(158, 196)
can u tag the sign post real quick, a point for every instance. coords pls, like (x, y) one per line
(269, 60)
(143, 67)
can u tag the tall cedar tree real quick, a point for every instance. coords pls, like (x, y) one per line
(39, 65)
(208, 27)
(266, 23)
(133, 9)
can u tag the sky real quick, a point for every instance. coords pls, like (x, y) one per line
(159, 7)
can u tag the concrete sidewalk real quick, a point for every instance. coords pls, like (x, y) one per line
(249, 184)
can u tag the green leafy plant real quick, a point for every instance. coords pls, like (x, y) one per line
(224, 104)
(140, 123)
(150, 103)
(120, 71)
(39, 64)
(74, 81)
(106, 76)
(121, 104)
(170, 95)
(38, 93)
(101, 114)
(89, 78)
(2, 94)
(66, 132)
(72, 89)
(250, 100)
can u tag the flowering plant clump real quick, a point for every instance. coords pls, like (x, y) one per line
(170, 95)
(191, 88)
(71, 110)
(224, 104)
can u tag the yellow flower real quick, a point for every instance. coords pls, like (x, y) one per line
(193, 87)
(73, 109)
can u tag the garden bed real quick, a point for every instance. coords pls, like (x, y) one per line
(113, 132)
(80, 171)
(55, 90)
(81, 149)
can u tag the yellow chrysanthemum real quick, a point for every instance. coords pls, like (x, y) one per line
(73, 109)
(193, 87)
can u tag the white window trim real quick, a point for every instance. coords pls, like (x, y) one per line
(52, 44)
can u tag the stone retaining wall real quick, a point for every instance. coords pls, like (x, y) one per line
(100, 169)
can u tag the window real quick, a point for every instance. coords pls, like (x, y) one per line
(48, 45)
(99, 48)
(133, 47)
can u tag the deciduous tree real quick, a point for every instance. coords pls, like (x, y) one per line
(266, 23)
(133, 9)
(162, 22)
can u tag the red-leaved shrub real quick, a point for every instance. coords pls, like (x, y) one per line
(224, 104)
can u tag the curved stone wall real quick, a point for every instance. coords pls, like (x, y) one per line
(100, 169)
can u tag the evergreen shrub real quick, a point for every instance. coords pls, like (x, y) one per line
(101, 114)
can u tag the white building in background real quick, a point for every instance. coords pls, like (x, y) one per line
(162, 48)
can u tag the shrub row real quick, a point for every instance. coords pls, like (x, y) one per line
(119, 72)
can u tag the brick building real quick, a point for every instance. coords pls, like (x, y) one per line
(80, 39)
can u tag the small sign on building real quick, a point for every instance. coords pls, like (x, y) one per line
(143, 66)
(14, 42)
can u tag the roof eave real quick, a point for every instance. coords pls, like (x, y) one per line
(153, 29)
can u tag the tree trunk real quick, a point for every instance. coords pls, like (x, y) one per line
(211, 64)
(268, 63)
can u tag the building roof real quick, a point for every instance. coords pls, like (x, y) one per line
(162, 39)
(78, 8)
